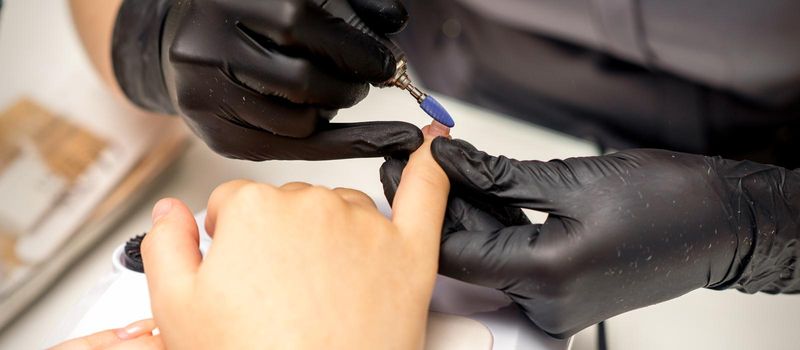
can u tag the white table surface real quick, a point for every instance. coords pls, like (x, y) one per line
(700, 320)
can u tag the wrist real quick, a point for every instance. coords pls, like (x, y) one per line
(136, 53)
(766, 207)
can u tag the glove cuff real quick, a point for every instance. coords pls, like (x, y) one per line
(136, 53)
(768, 257)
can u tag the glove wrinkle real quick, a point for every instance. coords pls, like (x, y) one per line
(771, 195)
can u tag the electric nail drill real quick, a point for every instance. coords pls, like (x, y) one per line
(343, 10)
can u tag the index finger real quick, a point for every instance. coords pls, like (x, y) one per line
(421, 198)
(333, 141)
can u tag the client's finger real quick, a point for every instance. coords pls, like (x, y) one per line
(218, 198)
(96, 341)
(421, 198)
(109, 338)
(146, 342)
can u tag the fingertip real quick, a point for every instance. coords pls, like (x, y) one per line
(414, 136)
(440, 148)
(160, 209)
(136, 329)
(146, 342)
(170, 214)
(452, 154)
(174, 211)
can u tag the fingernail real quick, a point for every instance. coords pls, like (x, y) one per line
(133, 330)
(437, 129)
(161, 208)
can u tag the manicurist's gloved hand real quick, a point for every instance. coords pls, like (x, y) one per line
(299, 266)
(260, 79)
(624, 231)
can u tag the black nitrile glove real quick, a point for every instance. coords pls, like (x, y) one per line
(260, 79)
(624, 231)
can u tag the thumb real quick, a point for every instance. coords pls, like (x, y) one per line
(501, 180)
(495, 259)
(170, 251)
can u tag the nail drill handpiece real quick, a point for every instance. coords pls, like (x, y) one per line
(343, 10)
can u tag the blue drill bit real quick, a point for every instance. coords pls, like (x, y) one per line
(437, 112)
(428, 104)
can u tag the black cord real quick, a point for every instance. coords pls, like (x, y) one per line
(601, 336)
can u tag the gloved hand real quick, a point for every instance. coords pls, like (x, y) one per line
(624, 231)
(260, 79)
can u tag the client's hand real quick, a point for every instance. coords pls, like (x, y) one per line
(300, 266)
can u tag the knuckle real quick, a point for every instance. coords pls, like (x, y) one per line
(233, 184)
(427, 175)
(495, 180)
(283, 17)
(180, 51)
(301, 71)
(222, 194)
(552, 318)
(288, 14)
(554, 278)
(251, 195)
(253, 190)
(295, 185)
(356, 194)
(325, 196)
(328, 209)
(554, 308)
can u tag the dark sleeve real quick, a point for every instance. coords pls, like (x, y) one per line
(771, 197)
(136, 55)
